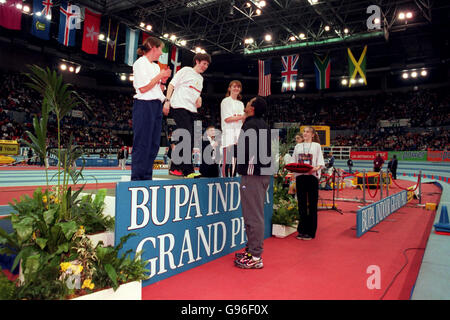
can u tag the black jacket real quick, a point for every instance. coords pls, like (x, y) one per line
(254, 148)
(209, 170)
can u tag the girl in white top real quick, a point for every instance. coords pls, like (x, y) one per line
(232, 116)
(307, 184)
(147, 108)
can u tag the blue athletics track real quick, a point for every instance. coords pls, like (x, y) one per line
(402, 258)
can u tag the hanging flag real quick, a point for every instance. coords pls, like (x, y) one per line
(111, 40)
(264, 77)
(289, 70)
(323, 69)
(40, 27)
(144, 36)
(163, 61)
(10, 17)
(132, 40)
(357, 67)
(91, 31)
(69, 21)
(175, 59)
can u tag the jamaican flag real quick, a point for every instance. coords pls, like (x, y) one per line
(357, 67)
(322, 68)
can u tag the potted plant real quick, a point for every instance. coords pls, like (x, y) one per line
(285, 207)
(49, 240)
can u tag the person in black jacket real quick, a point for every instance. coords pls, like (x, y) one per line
(392, 166)
(209, 166)
(254, 164)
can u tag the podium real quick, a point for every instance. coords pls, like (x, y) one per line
(372, 179)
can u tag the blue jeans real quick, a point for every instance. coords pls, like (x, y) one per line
(147, 122)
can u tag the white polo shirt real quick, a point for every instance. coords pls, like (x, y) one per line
(144, 71)
(310, 153)
(230, 131)
(188, 86)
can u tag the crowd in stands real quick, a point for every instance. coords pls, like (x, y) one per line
(360, 115)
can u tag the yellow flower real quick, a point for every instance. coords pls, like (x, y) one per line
(64, 266)
(34, 235)
(87, 284)
(44, 199)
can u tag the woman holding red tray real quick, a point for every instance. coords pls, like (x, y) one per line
(309, 162)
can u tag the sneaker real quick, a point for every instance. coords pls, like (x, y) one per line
(302, 236)
(240, 255)
(175, 173)
(249, 262)
(193, 175)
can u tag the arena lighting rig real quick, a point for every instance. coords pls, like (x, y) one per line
(69, 66)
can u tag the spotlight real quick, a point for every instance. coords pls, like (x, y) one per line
(148, 27)
(346, 30)
(262, 4)
(413, 74)
(123, 77)
(198, 49)
(166, 35)
(423, 73)
(101, 36)
(352, 81)
(203, 51)
(401, 16)
(19, 6)
(302, 36)
(131, 77)
(77, 69)
(63, 66)
(258, 12)
(183, 42)
(409, 15)
(248, 5)
(405, 75)
(48, 17)
(2, 1)
(327, 28)
(248, 41)
(301, 84)
(37, 13)
(26, 9)
(142, 25)
(361, 80)
(173, 37)
(376, 21)
(344, 82)
(268, 37)
(291, 38)
(71, 69)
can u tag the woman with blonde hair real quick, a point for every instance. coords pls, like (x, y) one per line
(147, 108)
(232, 116)
(308, 152)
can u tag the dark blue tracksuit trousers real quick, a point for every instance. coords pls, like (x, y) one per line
(147, 122)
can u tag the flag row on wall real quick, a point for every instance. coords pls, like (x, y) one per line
(70, 20)
(322, 69)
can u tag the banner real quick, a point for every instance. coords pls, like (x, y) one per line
(91, 31)
(289, 69)
(111, 40)
(371, 215)
(10, 17)
(438, 156)
(408, 155)
(395, 123)
(322, 69)
(69, 21)
(175, 59)
(357, 67)
(40, 26)
(367, 155)
(181, 224)
(132, 40)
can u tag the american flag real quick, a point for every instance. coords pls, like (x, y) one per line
(289, 72)
(264, 77)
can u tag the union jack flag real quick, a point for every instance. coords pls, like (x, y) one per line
(289, 72)
(264, 77)
(47, 5)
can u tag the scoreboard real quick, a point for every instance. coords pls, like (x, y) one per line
(323, 132)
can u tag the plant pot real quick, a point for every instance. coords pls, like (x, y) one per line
(127, 291)
(282, 231)
(107, 237)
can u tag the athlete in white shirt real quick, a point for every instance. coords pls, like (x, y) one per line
(232, 116)
(147, 108)
(183, 100)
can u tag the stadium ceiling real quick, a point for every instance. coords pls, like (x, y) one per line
(222, 26)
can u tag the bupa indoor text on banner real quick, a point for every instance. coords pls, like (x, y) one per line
(183, 224)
